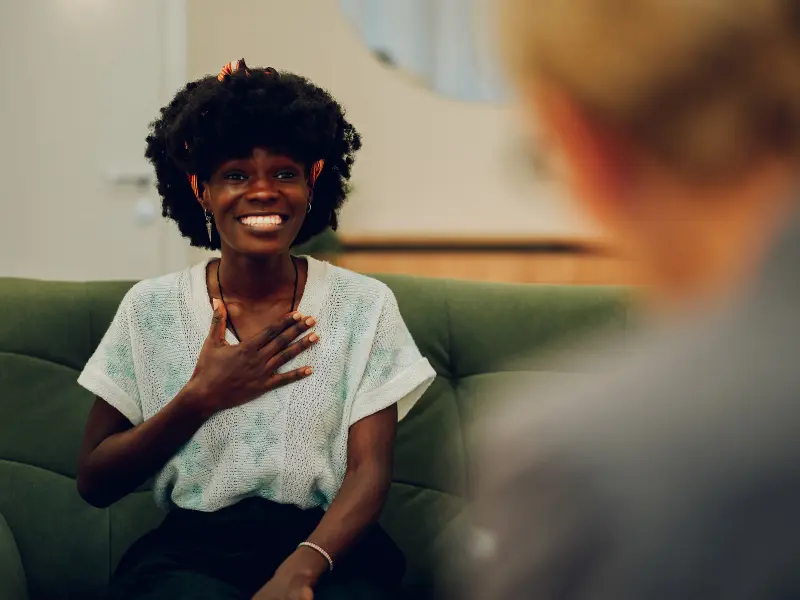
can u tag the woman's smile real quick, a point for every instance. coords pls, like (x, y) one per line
(263, 222)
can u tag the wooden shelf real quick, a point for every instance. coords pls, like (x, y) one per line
(547, 245)
(519, 260)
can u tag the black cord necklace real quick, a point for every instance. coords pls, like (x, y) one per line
(222, 296)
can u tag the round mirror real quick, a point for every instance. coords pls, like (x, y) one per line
(442, 44)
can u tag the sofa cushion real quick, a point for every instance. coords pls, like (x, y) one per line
(62, 541)
(12, 576)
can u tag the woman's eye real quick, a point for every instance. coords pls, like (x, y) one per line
(235, 176)
(286, 175)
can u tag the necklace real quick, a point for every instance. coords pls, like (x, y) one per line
(222, 296)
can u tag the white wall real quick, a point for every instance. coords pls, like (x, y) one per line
(83, 80)
(430, 166)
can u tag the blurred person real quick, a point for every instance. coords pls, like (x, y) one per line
(260, 389)
(675, 474)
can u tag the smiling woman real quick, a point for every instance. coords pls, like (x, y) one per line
(260, 226)
(210, 130)
(270, 444)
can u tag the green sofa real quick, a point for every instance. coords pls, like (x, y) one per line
(53, 545)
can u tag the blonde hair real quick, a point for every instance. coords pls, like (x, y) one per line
(703, 84)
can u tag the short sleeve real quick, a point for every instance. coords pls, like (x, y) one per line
(396, 372)
(110, 373)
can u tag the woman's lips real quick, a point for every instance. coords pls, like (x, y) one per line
(262, 222)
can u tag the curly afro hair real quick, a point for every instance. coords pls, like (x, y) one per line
(211, 121)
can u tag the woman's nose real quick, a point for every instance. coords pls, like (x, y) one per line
(262, 187)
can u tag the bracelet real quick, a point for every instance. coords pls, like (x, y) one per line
(321, 551)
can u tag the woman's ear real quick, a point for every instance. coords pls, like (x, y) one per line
(204, 199)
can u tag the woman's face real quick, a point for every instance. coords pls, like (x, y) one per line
(259, 202)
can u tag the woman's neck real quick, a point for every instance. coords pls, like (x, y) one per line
(249, 278)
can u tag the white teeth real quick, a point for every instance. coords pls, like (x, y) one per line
(262, 220)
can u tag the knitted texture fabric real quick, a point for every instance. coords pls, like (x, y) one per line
(289, 445)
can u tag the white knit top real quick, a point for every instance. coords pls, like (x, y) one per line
(289, 445)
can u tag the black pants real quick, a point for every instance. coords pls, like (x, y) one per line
(233, 552)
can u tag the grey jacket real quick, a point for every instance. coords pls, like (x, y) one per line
(674, 476)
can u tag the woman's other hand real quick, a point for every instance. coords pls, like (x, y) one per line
(296, 578)
(286, 588)
(228, 375)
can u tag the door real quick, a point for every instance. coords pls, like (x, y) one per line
(82, 80)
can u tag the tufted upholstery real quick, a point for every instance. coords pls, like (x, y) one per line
(48, 331)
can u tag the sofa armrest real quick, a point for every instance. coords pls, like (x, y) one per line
(13, 585)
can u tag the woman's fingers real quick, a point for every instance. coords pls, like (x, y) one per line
(268, 334)
(216, 335)
(284, 356)
(279, 380)
(282, 341)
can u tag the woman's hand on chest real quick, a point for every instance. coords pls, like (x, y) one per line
(230, 375)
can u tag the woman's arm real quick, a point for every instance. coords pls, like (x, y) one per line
(117, 457)
(370, 458)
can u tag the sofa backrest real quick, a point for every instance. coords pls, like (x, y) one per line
(468, 331)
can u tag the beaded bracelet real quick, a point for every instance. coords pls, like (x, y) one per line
(321, 551)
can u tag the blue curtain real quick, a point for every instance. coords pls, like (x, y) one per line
(435, 40)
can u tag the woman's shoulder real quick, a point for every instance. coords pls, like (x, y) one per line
(354, 285)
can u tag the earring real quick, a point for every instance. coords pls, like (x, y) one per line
(209, 225)
(308, 208)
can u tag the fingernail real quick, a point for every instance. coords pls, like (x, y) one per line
(309, 371)
(297, 316)
(310, 321)
(313, 338)
(215, 303)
